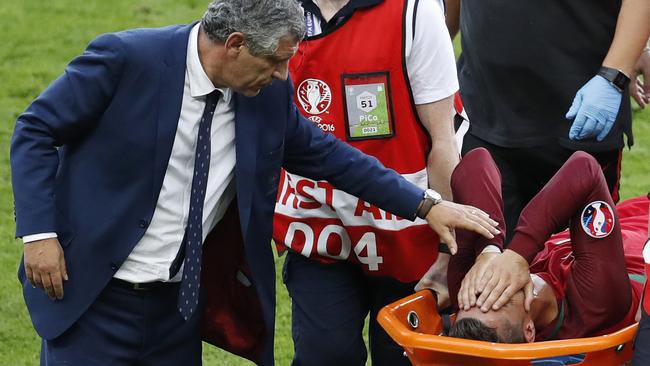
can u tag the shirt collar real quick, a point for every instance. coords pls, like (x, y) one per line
(200, 84)
(346, 11)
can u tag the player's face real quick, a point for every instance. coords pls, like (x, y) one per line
(249, 74)
(512, 314)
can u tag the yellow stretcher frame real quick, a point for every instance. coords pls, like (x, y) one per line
(425, 347)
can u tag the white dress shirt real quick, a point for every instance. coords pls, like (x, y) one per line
(152, 256)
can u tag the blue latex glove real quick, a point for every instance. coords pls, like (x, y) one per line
(594, 109)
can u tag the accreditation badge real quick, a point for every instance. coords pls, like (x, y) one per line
(368, 112)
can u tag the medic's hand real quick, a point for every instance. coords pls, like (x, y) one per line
(436, 280)
(497, 280)
(640, 89)
(45, 266)
(594, 110)
(446, 216)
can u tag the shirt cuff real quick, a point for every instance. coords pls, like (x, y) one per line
(491, 249)
(35, 237)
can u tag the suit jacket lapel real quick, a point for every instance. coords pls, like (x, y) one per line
(246, 130)
(172, 82)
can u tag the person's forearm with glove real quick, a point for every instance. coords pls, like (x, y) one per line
(596, 104)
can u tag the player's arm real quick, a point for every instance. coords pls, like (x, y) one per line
(579, 182)
(598, 288)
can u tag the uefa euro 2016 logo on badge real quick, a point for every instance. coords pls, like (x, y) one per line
(597, 219)
(314, 96)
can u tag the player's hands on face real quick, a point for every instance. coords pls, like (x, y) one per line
(468, 292)
(436, 280)
(594, 109)
(45, 266)
(640, 89)
(446, 216)
(497, 280)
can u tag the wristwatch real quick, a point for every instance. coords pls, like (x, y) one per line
(617, 78)
(430, 199)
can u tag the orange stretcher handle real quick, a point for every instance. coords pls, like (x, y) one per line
(394, 319)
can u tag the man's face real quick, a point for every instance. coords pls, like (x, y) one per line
(248, 74)
(508, 319)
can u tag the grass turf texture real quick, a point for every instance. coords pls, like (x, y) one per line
(38, 39)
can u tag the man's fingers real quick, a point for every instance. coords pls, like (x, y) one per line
(488, 223)
(446, 237)
(575, 106)
(588, 128)
(47, 284)
(57, 284)
(477, 228)
(465, 297)
(464, 292)
(63, 268)
(471, 296)
(487, 290)
(38, 282)
(483, 277)
(30, 275)
(504, 298)
(604, 132)
(481, 217)
(478, 212)
(576, 127)
(494, 295)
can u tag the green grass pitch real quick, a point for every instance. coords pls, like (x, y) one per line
(37, 39)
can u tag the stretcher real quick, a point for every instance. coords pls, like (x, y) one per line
(414, 323)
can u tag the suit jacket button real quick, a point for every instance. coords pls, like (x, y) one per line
(114, 266)
(143, 223)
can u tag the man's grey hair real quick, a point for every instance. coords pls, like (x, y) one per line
(263, 22)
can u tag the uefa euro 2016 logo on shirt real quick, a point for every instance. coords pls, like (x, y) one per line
(314, 95)
(597, 219)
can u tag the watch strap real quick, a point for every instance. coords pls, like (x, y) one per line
(444, 248)
(424, 208)
(616, 77)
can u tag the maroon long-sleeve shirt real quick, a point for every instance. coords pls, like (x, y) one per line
(587, 266)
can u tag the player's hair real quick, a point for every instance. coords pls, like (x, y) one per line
(263, 22)
(471, 328)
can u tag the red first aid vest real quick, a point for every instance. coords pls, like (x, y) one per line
(352, 82)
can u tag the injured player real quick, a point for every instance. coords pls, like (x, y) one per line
(586, 281)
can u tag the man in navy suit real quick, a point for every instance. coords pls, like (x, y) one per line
(154, 142)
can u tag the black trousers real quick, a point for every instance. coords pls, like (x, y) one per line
(329, 305)
(525, 171)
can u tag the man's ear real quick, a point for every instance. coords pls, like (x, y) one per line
(235, 43)
(529, 330)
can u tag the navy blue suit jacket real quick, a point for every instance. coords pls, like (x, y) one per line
(88, 158)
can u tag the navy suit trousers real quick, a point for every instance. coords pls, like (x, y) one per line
(128, 327)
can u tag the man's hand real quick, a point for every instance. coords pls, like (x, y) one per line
(45, 266)
(594, 109)
(640, 89)
(446, 216)
(468, 292)
(500, 278)
(436, 280)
